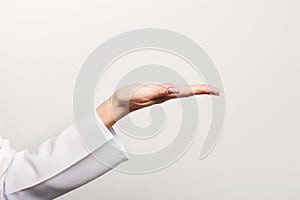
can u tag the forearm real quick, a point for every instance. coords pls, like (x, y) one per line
(61, 164)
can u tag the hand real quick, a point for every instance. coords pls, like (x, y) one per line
(136, 96)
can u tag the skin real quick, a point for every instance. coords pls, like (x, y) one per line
(137, 96)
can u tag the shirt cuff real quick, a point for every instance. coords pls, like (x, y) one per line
(113, 141)
(57, 164)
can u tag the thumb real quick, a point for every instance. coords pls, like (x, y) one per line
(173, 90)
(161, 91)
(166, 89)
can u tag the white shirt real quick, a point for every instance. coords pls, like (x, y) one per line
(57, 166)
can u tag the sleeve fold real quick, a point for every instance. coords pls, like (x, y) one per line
(62, 164)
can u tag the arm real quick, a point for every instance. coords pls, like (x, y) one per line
(59, 165)
(62, 164)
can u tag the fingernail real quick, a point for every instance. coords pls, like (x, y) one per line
(173, 90)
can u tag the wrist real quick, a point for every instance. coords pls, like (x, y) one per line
(110, 111)
(105, 113)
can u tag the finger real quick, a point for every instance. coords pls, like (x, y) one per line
(172, 88)
(205, 89)
(160, 91)
(164, 89)
(197, 89)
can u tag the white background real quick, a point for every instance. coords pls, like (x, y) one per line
(255, 45)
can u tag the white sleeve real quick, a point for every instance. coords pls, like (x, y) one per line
(57, 166)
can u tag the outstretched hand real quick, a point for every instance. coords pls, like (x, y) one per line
(136, 96)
